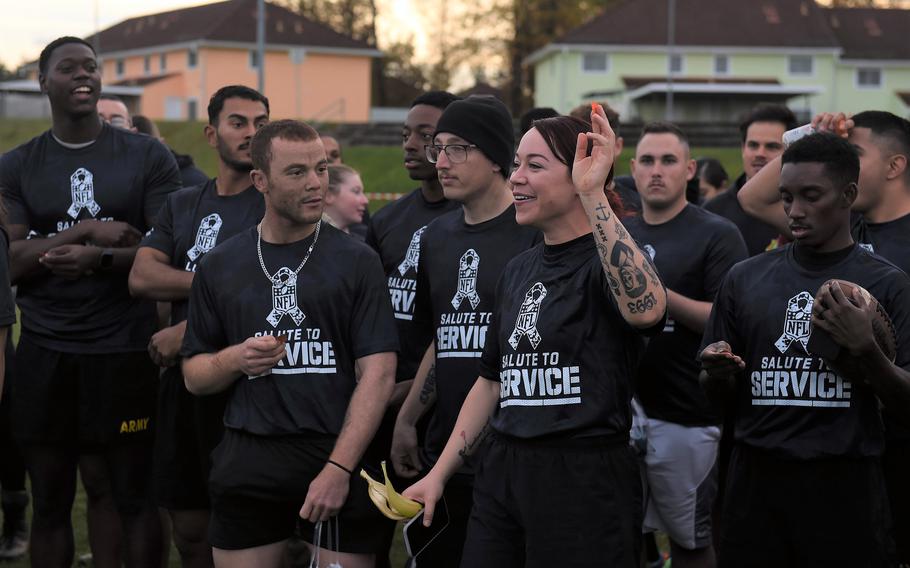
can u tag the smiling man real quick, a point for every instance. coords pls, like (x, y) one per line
(808, 439)
(762, 141)
(693, 249)
(80, 196)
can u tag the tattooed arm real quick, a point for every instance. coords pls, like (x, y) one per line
(471, 429)
(639, 293)
(405, 455)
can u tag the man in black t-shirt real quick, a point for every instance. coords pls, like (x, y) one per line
(191, 223)
(805, 485)
(394, 232)
(762, 132)
(883, 142)
(693, 250)
(305, 346)
(79, 198)
(462, 255)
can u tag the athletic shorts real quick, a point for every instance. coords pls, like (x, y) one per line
(83, 400)
(180, 466)
(259, 483)
(568, 503)
(680, 478)
(808, 514)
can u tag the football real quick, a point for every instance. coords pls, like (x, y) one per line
(881, 327)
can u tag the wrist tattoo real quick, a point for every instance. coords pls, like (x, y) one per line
(603, 212)
(471, 446)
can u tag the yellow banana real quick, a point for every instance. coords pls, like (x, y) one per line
(399, 503)
(377, 493)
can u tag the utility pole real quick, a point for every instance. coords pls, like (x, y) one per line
(260, 43)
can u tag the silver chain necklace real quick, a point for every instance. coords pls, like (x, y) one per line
(306, 257)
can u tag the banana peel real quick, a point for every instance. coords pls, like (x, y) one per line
(390, 503)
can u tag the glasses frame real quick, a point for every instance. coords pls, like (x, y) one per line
(444, 148)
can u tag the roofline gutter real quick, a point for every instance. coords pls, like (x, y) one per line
(715, 88)
(552, 48)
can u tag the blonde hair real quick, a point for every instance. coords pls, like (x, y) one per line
(337, 174)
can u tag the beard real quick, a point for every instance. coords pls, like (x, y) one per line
(224, 154)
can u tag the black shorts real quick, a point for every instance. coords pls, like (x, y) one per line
(181, 470)
(259, 483)
(83, 400)
(815, 513)
(896, 468)
(570, 503)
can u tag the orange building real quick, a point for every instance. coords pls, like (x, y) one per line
(179, 58)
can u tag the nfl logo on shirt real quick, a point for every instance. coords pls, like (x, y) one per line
(82, 188)
(284, 297)
(526, 323)
(797, 322)
(467, 279)
(206, 236)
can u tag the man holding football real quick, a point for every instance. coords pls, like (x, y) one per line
(805, 374)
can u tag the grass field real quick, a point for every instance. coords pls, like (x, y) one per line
(380, 166)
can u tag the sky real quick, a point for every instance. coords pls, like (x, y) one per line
(48, 19)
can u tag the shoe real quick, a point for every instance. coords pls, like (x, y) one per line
(14, 545)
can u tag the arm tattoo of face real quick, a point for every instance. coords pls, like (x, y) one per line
(429, 386)
(603, 212)
(632, 278)
(470, 446)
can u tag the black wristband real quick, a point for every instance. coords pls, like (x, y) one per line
(341, 467)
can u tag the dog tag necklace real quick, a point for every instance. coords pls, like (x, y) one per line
(284, 283)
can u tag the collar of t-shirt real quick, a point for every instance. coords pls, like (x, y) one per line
(74, 146)
(555, 253)
(430, 204)
(504, 217)
(814, 260)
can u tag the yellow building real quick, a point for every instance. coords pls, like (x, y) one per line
(179, 58)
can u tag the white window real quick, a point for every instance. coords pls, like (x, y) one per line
(869, 77)
(191, 58)
(800, 65)
(119, 67)
(162, 61)
(721, 65)
(675, 64)
(593, 62)
(173, 108)
(147, 64)
(254, 59)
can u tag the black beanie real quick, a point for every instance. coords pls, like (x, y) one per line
(485, 122)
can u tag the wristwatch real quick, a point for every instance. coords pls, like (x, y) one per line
(107, 259)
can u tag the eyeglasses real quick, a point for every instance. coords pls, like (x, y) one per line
(456, 153)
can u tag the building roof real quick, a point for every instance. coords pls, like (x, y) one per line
(871, 33)
(728, 23)
(229, 21)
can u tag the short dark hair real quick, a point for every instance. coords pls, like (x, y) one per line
(712, 171)
(768, 113)
(660, 127)
(537, 113)
(839, 157)
(216, 103)
(561, 135)
(583, 112)
(110, 97)
(894, 130)
(438, 99)
(144, 125)
(261, 146)
(48, 50)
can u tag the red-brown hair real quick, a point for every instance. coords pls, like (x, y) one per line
(561, 135)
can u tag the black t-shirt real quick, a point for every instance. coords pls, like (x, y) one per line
(891, 241)
(122, 176)
(7, 304)
(394, 233)
(194, 220)
(460, 265)
(333, 312)
(563, 354)
(759, 236)
(692, 252)
(788, 401)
